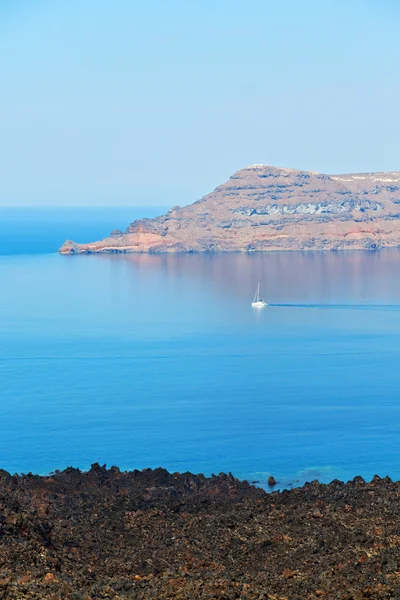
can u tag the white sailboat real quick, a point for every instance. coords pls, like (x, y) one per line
(258, 302)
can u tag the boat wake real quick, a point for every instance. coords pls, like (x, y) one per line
(390, 307)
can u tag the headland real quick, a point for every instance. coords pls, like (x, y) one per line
(264, 208)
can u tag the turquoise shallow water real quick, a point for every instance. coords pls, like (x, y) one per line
(145, 361)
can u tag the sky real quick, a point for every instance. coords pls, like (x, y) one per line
(158, 102)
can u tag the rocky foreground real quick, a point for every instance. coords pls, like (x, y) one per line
(151, 534)
(262, 208)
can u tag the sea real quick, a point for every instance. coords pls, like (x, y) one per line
(159, 360)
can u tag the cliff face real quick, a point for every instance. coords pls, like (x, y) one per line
(267, 208)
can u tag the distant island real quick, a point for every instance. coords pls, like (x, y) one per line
(264, 208)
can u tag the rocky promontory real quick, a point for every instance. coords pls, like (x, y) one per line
(262, 208)
(152, 534)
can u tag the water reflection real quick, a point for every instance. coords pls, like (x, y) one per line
(299, 277)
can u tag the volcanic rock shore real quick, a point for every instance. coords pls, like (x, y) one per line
(152, 534)
(262, 208)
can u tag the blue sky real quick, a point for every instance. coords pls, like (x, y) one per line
(158, 102)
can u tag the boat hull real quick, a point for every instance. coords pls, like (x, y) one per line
(259, 304)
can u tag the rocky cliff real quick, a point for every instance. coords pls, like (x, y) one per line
(267, 208)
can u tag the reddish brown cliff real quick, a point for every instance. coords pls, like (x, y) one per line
(266, 208)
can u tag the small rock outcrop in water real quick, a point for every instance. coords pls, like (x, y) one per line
(152, 534)
(265, 208)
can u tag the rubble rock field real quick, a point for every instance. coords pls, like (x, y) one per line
(151, 534)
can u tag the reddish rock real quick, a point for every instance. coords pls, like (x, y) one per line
(152, 534)
(262, 208)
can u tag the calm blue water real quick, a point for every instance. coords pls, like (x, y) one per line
(145, 361)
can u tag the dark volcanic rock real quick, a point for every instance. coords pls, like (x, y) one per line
(152, 534)
(263, 208)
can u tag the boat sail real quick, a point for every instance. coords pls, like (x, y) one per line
(258, 302)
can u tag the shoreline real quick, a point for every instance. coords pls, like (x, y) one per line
(105, 533)
(123, 252)
(259, 480)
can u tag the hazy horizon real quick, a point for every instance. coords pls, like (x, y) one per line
(153, 203)
(157, 104)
